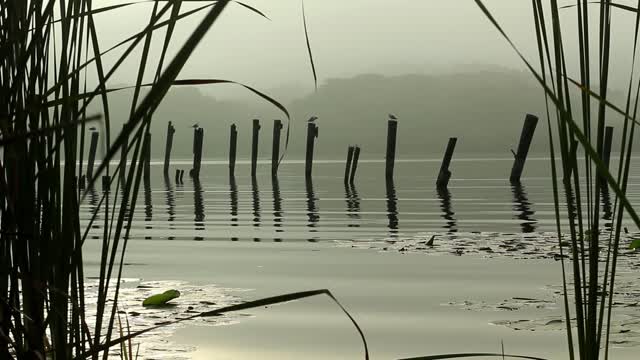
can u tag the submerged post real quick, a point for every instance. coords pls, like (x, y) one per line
(198, 139)
(523, 148)
(92, 154)
(233, 145)
(445, 174)
(167, 151)
(146, 149)
(275, 153)
(347, 170)
(354, 166)
(312, 134)
(392, 130)
(254, 146)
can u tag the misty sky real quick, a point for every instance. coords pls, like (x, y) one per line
(351, 37)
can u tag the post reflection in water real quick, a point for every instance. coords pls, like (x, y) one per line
(312, 207)
(233, 193)
(522, 206)
(353, 204)
(256, 206)
(277, 206)
(198, 207)
(171, 204)
(392, 207)
(451, 223)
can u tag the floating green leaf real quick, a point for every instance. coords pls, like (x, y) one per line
(161, 299)
(635, 244)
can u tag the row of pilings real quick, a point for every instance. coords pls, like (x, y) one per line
(353, 152)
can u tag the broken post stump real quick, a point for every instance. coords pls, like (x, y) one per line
(392, 131)
(528, 130)
(167, 150)
(93, 147)
(354, 165)
(445, 174)
(347, 170)
(254, 146)
(233, 145)
(312, 134)
(198, 140)
(275, 153)
(146, 151)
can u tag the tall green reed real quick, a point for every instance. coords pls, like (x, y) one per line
(49, 51)
(594, 252)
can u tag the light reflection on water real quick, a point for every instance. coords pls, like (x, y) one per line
(288, 208)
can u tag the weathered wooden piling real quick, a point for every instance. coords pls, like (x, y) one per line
(606, 154)
(254, 146)
(123, 158)
(93, 147)
(146, 151)
(177, 176)
(312, 134)
(167, 150)
(528, 130)
(445, 174)
(198, 140)
(275, 153)
(181, 176)
(606, 151)
(354, 165)
(392, 131)
(347, 169)
(106, 183)
(233, 146)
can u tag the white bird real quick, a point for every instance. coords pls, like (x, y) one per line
(312, 119)
(393, 117)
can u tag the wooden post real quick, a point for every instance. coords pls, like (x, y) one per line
(392, 130)
(106, 183)
(254, 146)
(523, 148)
(608, 139)
(606, 154)
(198, 139)
(347, 170)
(233, 145)
(146, 151)
(167, 150)
(445, 174)
(92, 154)
(354, 165)
(123, 158)
(177, 176)
(275, 153)
(312, 134)
(181, 176)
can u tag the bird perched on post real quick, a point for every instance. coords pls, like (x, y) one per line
(392, 117)
(195, 126)
(312, 119)
(93, 128)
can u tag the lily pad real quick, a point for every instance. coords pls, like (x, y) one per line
(161, 299)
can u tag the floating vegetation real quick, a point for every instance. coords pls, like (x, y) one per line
(193, 299)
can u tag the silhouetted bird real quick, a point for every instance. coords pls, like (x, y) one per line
(393, 117)
(313, 119)
(93, 128)
(195, 126)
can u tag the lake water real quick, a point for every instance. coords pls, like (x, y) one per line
(249, 238)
